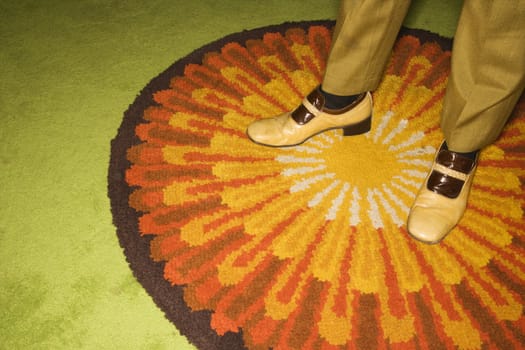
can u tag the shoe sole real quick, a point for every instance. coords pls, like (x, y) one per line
(428, 242)
(359, 128)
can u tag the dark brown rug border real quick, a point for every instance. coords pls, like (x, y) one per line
(195, 326)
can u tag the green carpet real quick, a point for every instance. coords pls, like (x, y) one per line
(68, 71)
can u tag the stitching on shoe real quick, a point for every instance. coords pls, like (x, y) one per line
(450, 172)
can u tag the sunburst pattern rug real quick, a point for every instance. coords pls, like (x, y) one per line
(244, 246)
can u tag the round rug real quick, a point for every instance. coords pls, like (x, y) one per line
(244, 246)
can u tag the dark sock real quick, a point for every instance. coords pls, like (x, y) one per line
(336, 101)
(470, 155)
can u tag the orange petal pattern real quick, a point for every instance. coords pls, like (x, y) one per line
(305, 247)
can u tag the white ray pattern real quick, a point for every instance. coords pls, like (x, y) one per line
(304, 184)
(337, 202)
(320, 195)
(384, 203)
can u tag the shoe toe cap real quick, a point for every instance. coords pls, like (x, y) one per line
(428, 226)
(268, 131)
(260, 131)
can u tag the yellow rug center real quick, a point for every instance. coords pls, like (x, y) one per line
(362, 162)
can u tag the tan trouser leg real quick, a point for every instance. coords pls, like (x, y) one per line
(363, 38)
(488, 72)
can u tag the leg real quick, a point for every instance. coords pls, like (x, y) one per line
(487, 79)
(363, 38)
(488, 73)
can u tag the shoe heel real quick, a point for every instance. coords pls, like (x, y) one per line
(359, 128)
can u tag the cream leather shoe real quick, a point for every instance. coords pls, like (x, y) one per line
(442, 199)
(311, 118)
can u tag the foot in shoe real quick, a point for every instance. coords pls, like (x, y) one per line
(312, 118)
(442, 199)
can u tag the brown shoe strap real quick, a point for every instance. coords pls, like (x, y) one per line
(313, 105)
(449, 173)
